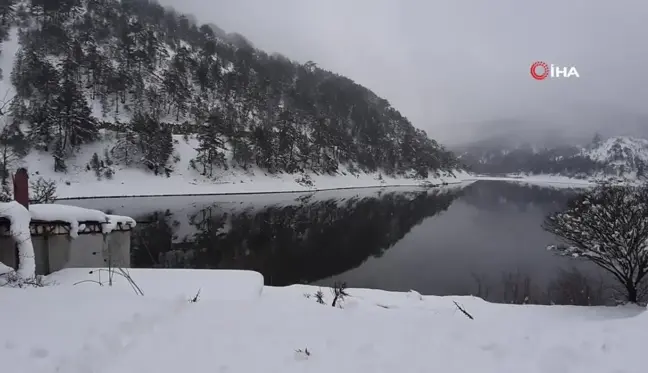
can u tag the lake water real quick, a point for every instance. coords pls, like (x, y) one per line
(483, 239)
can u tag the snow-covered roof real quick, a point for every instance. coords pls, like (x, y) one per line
(65, 213)
(78, 216)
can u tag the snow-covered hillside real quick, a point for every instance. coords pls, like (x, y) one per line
(620, 157)
(84, 179)
(151, 74)
(623, 156)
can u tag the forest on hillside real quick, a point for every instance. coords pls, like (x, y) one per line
(146, 72)
(564, 161)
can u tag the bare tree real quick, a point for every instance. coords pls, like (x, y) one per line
(608, 226)
(8, 159)
(517, 288)
(575, 288)
(43, 191)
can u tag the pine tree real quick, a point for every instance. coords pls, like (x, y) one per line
(241, 150)
(154, 141)
(71, 119)
(210, 151)
(176, 83)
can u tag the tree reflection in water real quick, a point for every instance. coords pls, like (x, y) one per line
(288, 243)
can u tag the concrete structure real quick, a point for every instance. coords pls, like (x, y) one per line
(101, 241)
(54, 249)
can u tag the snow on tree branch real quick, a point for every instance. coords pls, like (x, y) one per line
(608, 226)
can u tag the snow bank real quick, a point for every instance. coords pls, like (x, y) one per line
(74, 216)
(19, 218)
(171, 283)
(88, 328)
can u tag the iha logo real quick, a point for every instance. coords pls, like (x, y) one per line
(541, 70)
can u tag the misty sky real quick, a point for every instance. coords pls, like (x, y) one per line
(448, 63)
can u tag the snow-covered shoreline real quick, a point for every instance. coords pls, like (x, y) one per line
(554, 181)
(261, 191)
(557, 181)
(229, 322)
(284, 185)
(134, 183)
(80, 181)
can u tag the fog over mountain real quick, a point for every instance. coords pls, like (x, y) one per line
(571, 126)
(456, 67)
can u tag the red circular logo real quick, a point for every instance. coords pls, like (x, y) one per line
(539, 65)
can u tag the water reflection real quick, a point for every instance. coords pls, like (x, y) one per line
(299, 242)
(484, 239)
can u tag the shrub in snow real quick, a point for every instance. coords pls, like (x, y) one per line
(111, 272)
(319, 297)
(353, 170)
(339, 293)
(6, 194)
(43, 191)
(305, 180)
(101, 167)
(302, 354)
(12, 280)
(609, 227)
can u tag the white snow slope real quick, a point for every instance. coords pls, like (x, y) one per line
(621, 154)
(130, 181)
(238, 325)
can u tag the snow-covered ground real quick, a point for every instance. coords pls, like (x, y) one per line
(238, 325)
(79, 182)
(553, 181)
(560, 181)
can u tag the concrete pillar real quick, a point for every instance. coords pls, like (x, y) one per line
(21, 187)
(21, 195)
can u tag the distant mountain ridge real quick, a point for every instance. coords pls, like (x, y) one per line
(621, 157)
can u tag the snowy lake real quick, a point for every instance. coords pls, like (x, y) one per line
(483, 239)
